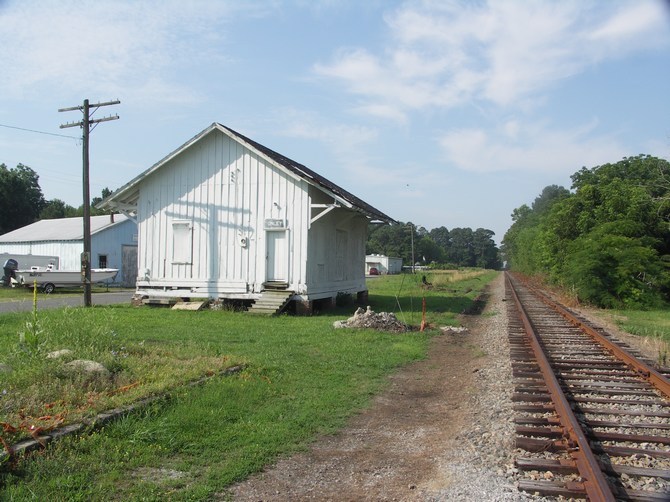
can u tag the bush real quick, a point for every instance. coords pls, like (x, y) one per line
(614, 271)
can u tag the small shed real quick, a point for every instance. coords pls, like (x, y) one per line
(113, 244)
(224, 217)
(384, 264)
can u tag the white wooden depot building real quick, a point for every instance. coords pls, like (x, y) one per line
(225, 217)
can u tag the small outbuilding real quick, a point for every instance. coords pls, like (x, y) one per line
(383, 264)
(224, 217)
(113, 245)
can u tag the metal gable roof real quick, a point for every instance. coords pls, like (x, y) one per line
(60, 229)
(128, 194)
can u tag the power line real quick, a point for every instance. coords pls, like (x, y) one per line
(40, 132)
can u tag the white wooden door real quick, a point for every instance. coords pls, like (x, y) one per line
(277, 256)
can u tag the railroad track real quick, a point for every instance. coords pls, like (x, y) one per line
(591, 414)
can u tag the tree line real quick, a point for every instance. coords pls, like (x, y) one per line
(607, 239)
(439, 247)
(22, 201)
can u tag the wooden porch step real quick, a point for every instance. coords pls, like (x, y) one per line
(190, 305)
(271, 302)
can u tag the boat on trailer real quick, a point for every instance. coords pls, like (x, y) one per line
(47, 279)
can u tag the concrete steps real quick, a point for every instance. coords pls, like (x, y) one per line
(271, 302)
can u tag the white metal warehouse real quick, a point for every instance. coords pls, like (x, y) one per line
(113, 244)
(384, 264)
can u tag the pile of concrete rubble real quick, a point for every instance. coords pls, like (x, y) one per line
(383, 321)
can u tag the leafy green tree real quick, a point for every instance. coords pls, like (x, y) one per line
(616, 271)
(510, 249)
(21, 198)
(392, 240)
(428, 251)
(609, 239)
(461, 246)
(524, 257)
(484, 249)
(461, 251)
(106, 192)
(440, 236)
(549, 196)
(56, 208)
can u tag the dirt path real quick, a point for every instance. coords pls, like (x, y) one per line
(388, 451)
(397, 449)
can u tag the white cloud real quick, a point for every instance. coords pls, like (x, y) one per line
(633, 23)
(658, 148)
(104, 48)
(512, 129)
(385, 86)
(300, 124)
(447, 54)
(534, 148)
(351, 149)
(383, 111)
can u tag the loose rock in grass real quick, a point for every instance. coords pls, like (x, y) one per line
(58, 354)
(88, 368)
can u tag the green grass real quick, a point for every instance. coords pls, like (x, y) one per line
(302, 378)
(445, 298)
(648, 322)
(24, 293)
(653, 325)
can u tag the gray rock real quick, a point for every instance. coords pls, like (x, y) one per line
(57, 354)
(454, 329)
(86, 367)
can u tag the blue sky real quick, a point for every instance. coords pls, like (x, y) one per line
(442, 113)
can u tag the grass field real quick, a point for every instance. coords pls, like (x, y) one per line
(653, 325)
(23, 293)
(301, 378)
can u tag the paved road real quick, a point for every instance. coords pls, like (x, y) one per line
(50, 302)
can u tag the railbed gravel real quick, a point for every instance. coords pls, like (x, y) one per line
(483, 468)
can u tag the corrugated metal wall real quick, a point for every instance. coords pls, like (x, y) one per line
(107, 242)
(110, 242)
(69, 252)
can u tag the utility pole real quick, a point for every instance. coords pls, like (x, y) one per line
(411, 229)
(86, 124)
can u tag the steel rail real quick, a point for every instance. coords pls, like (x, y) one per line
(653, 376)
(595, 483)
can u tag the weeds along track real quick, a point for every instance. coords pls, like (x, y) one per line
(592, 416)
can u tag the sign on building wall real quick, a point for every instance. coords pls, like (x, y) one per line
(274, 224)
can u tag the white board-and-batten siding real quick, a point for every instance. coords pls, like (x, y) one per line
(336, 252)
(202, 220)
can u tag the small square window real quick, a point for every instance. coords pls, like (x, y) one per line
(102, 261)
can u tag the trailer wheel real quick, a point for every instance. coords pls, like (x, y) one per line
(48, 288)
